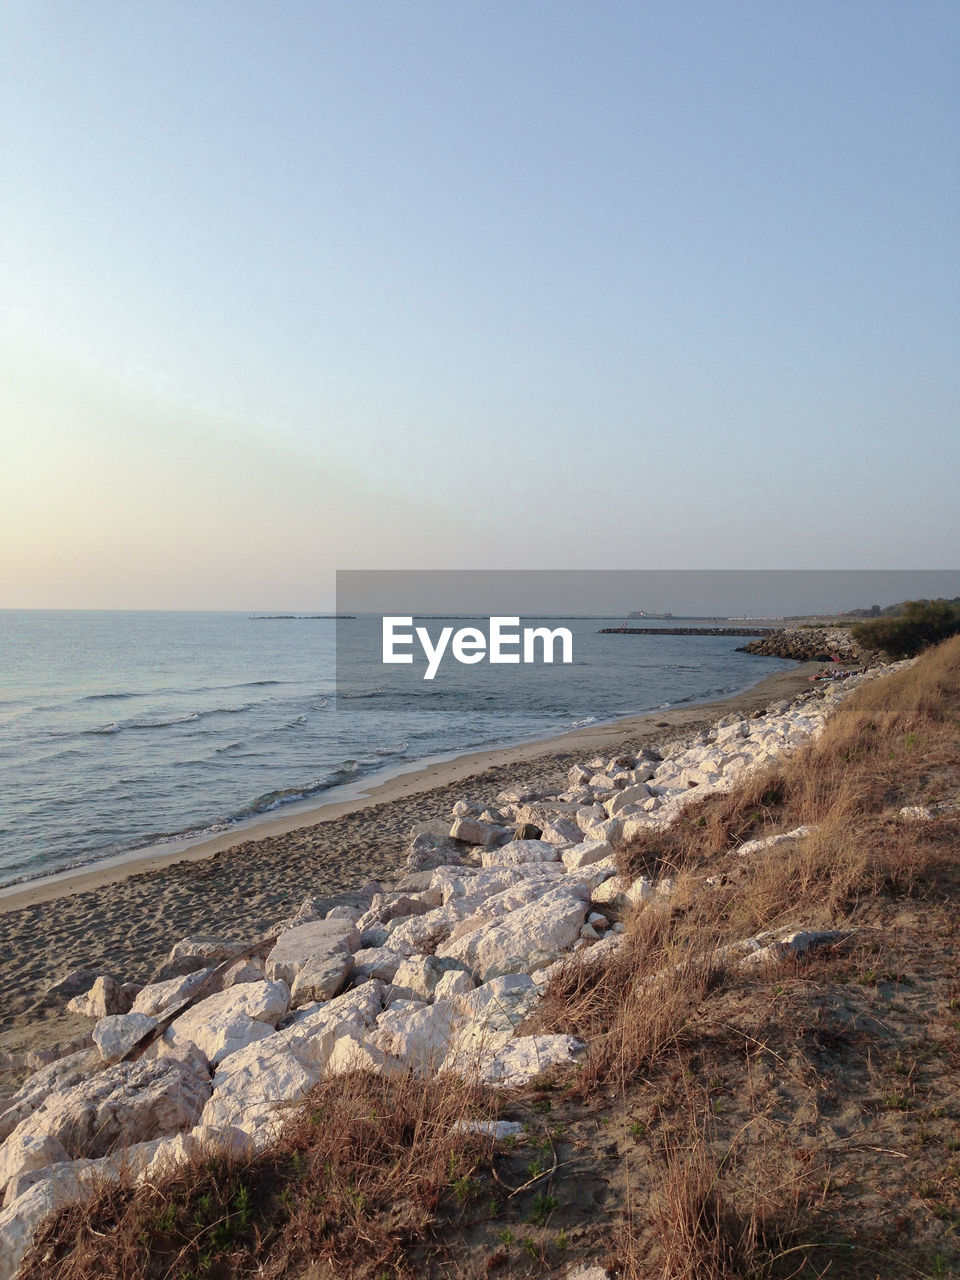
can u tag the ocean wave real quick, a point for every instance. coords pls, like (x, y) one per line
(580, 724)
(113, 696)
(162, 722)
(271, 800)
(346, 772)
(116, 695)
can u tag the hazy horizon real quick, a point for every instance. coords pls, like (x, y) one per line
(289, 289)
(752, 594)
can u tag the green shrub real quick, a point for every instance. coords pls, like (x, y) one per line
(920, 624)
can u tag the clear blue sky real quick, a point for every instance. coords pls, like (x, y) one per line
(290, 287)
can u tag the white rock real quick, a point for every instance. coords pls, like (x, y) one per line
(122, 1105)
(246, 1097)
(629, 797)
(159, 997)
(640, 892)
(916, 813)
(608, 946)
(321, 978)
(466, 893)
(634, 826)
(473, 831)
(611, 891)
(223, 1023)
(104, 997)
(495, 1130)
(769, 842)
(358, 1008)
(69, 1178)
(586, 853)
(518, 943)
(198, 952)
(222, 1140)
(280, 1068)
(518, 853)
(417, 977)
(589, 816)
(611, 829)
(594, 874)
(562, 831)
(251, 969)
(25, 1151)
(170, 1154)
(352, 1054)
(488, 1017)
(733, 732)
(601, 784)
(296, 946)
(423, 933)
(343, 913)
(404, 904)
(693, 778)
(201, 1140)
(419, 1038)
(116, 1034)
(376, 962)
(19, 1221)
(455, 982)
(797, 942)
(55, 1077)
(523, 1059)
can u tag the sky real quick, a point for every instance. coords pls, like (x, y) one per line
(294, 287)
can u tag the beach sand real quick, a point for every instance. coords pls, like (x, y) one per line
(124, 918)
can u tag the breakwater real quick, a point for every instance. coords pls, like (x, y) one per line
(687, 631)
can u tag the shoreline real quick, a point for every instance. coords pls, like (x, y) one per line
(413, 779)
(123, 920)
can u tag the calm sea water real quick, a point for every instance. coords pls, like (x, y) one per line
(119, 730)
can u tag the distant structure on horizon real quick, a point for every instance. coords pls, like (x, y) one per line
(642, 613)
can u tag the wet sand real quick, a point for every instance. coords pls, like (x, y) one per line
(125, 917)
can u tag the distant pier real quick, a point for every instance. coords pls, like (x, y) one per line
(686, 631)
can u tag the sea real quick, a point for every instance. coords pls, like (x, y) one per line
(122, 730)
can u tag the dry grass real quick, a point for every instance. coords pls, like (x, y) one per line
(842, 785)
(633, 1010)
(713, 1223)
(884, 747)
(360, 1176)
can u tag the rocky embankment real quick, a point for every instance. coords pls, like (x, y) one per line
(808, 644)
(432, 976)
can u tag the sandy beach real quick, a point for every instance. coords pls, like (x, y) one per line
(125, 916)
